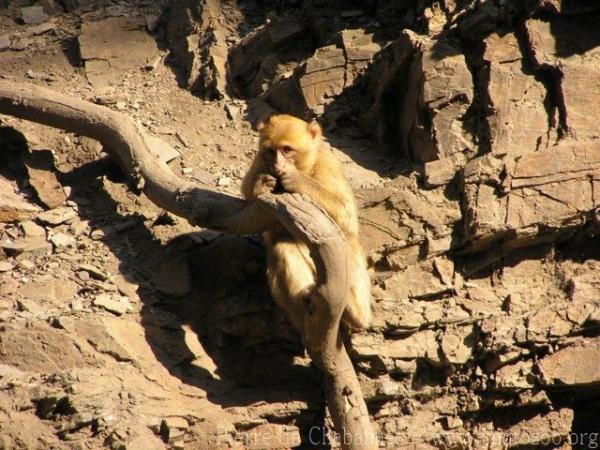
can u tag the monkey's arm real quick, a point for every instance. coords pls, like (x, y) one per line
(330, 196)
(326, 185)
(329, 199)
(257, 181)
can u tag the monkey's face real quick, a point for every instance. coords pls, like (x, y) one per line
(287, 141)
(277, 158)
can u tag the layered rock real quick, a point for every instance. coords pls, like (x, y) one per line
(525, 199)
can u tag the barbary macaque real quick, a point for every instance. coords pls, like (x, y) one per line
(294, 157)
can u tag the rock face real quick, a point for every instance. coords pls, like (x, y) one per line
(260, 57)
(429, 89)
(543, 194)
(570, 63)
(523, 152)
(326, 74)
(198, 46)
(468, 131)
(515, 98)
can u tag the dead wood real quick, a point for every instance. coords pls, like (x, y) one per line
(125, 142)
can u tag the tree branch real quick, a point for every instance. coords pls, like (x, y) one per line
(308, 222)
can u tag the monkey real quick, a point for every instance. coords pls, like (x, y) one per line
(294, 157)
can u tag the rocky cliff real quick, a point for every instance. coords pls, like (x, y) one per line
(469, 131)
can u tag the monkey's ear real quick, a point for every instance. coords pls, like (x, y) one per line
(263, 122)
(314, 129)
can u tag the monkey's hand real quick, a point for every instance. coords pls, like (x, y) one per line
(289, 176)
(264, 183)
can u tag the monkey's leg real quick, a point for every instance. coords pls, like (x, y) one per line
(291, 276)
(357, 314)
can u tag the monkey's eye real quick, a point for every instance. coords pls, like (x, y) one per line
(287, 149)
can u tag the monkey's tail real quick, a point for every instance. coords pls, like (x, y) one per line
(358, 311)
